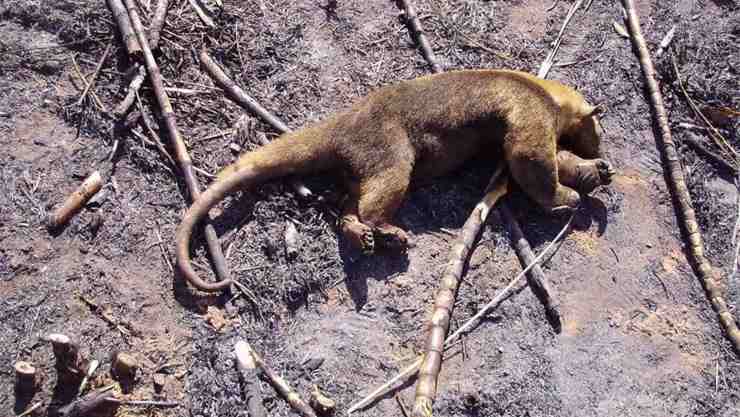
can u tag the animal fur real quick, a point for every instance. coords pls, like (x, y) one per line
(420, 129)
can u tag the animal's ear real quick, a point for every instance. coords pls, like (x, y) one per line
(598, 110)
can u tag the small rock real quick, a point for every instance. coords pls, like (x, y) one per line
(313, 364)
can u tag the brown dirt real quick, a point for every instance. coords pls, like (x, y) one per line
(639, 337)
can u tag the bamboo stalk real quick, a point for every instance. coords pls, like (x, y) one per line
(155, 27)
(75, 201)
(469, 325)
(248, 103)
(277, 382)
(426, 387)
(124, 26)
(677, 184)
(417, 34)
(181, 152)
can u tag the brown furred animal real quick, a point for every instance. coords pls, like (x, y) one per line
(420, 129)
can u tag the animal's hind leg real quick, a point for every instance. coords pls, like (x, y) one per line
(380, 197)
(535, 170)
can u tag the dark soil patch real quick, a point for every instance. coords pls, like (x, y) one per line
(639, 336)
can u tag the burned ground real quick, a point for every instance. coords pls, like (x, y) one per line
(639, 336)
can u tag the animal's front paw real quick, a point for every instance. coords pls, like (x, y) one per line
(605, 170)
(392, 238)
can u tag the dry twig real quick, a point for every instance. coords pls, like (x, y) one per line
(91, 82)
(280, 385)
(720, 140)
(132, 90)
(181, 152)
(666, 41)
(250, 379)
(677, 184)
(547, 63)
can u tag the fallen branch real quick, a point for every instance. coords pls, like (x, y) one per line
(31, 409)
(181, 151)
(124, 26)
(75, 201)
(155, 27)
(468, 326)
(132, 90)
(677, 184)
(536, 278)
(547, 63)
(417, 34)
(280, 385)
(426, 387)
(250, 379)
(248, 103)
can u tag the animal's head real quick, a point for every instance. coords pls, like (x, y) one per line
(582, 134)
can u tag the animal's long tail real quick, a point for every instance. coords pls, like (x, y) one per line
(308, 150)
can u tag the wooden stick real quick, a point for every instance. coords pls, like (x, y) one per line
(248, 103)
(155, 27)
(250, 379)
(124, 26)
(426, 387)
(677, 185)
(75, 201)
(547, 63)
(91, 81)
(280, 385)
(417, 34)
(181, 151)
(469, 325)
(131, 91)
(535, 278)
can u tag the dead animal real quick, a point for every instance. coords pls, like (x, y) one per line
(415, 130)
